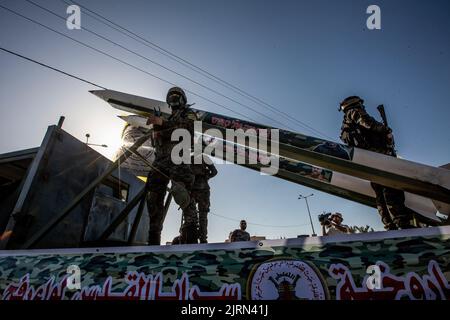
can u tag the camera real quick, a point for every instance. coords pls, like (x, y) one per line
(324, 218)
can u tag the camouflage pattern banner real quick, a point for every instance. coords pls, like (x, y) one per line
(408, 264)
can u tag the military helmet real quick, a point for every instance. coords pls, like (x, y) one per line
(336, 214)
(352, 101)
(176, 98)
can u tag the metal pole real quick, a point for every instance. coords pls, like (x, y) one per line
(309, 213)
(167, 204)
(123, 214)
(310, 219)
(136, 221)
(169, 196)
(138, 217)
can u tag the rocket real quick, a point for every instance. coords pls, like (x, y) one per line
(324, 165)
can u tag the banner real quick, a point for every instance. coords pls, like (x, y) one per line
(378, 265)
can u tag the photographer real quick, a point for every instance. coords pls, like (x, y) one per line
(332, 224)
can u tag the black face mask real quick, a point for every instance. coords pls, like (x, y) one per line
(175, 101)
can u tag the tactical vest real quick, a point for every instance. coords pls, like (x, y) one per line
(162, 135)
(358, 136)
(351, 135)
(201, 172)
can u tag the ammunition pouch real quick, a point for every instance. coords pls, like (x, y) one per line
(360, 137)
(353, 136)
(180, 195)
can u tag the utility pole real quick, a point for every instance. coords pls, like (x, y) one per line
(309, 212)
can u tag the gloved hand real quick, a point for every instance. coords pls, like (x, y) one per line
(380, 128)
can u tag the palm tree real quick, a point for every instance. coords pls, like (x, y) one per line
(362, 229)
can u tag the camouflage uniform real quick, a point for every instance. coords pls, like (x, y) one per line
(239, 235)
(201, 194)
(360, 130)
(164, 170)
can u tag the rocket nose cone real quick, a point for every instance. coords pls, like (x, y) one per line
(98, 93)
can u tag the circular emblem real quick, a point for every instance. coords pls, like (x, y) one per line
(286, 280)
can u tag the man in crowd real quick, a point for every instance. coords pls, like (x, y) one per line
(334, 226)
(240, 234)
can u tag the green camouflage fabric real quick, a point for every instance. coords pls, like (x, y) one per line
(202, 201)
(239, 235)
(410, 268)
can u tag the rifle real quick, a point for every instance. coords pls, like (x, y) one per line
(390, 142)
(380, 109)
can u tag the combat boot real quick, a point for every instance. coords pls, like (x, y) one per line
(188, 235)
(203, 226)
(189, 228)
(391, 226)
(405, 224)
(154, 239)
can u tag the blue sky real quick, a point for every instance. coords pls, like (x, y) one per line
(300, 56)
